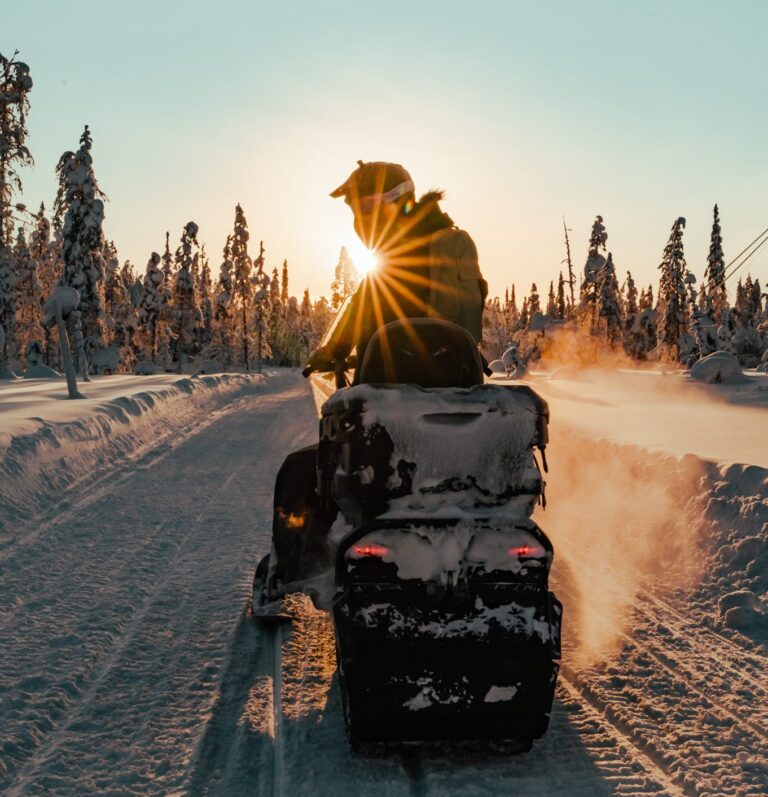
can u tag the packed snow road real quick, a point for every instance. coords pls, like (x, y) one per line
(130, 665)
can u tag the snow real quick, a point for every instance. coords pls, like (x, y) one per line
(662, 412)
(48, 443)
(718, 367)
(129, 663)
(479, 436)
(497, 694)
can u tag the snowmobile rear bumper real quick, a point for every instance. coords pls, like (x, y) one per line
(479, 667)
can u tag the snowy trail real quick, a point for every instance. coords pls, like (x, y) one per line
(112, 660)
(130, 665)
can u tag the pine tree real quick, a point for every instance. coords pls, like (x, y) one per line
(154, 302)
(15, 85)
(672, 307)
(551, 302)
(205, 290)
(609, 302)
(595, 261)
(223, 318)
(345, 279)
(534, 304)
(560, 302)
(242, 286)
(630, 298)
(714, 291)
(284, 284)
(187, 318)
(261, 304)
(29, 307)
(168, 271)
(79, 201)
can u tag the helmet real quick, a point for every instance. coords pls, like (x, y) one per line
(377, 181)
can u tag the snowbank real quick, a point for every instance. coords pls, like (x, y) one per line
(49, 444)
(718, 368)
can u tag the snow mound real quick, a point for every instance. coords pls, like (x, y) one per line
(41, 371)
(80, 441)
(718, 368)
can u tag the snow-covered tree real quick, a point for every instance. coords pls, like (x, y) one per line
(205, 290)
(345, 279)
(672, 307)
(560, 301)
(261, 308)
(186, 312)
(551, 301)
(15, 85)
(153, 304)
(79, 201)
(534, 303)
(598, 240)
(223, 335)
(714, 295)
(29, 299)
(242, 286)
(609, 308)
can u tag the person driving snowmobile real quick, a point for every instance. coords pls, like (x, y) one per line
(427, 267)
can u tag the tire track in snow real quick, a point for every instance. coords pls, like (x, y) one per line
(152, 578)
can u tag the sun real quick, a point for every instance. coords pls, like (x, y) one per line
(365, 259)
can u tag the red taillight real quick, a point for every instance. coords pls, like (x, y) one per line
(370, 550)
(523, 551)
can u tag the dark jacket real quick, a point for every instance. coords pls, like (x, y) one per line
(433, 271)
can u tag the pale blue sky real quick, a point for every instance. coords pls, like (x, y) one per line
(641, 112)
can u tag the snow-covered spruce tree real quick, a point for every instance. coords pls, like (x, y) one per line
(29, 304)
(223, 322)
(524, 315)
(345, 279)
(609, 309)
(169, 273)
(511, 315)
(242, 286)
(714, 295)
(284, 284)
(15, 85)
(551, 301)
(672, 306)
(534, 303)
(186, 312)
(305, 311)
(560, 301)
(595, 261)
(154, 301)
(278, 333)
(205, 290)
(79, 201)
(261, 309)
(494, 331)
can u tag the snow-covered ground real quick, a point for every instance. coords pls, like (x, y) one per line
(129, 665)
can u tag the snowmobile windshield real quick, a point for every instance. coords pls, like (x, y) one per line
(331, 331)
(422, 351)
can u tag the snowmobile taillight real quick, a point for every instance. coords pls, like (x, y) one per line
(370, 549)
(527, 551)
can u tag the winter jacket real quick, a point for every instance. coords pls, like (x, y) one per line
(440, 277)
(457, 289)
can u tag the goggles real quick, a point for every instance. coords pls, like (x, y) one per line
(368, 203)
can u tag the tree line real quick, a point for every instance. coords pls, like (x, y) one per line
(173, 317)
(684, 321)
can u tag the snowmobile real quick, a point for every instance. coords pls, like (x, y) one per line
(414, 510)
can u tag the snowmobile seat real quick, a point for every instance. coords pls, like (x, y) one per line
(427, 352)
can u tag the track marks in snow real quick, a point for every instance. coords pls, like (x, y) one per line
(111, 667)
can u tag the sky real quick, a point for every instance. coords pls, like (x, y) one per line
(524, 113)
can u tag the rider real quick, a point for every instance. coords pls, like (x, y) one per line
(427, 267)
